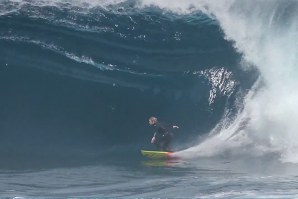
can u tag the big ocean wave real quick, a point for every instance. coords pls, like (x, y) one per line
(84, 76)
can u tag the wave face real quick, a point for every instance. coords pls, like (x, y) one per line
(82, 77)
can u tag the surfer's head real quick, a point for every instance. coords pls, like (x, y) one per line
(152, 120)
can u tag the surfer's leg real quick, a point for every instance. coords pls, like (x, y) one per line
(167, 143)
(158, 145)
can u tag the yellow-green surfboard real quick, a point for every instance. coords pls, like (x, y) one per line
(157, 154)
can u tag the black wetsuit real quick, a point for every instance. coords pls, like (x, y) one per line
(163, 136)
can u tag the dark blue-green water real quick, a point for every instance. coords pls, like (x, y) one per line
(79, 80)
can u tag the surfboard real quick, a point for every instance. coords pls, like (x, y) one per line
(158, 154)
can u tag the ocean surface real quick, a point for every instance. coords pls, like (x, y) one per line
(79, 80)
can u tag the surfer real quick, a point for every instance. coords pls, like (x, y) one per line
(162, 136)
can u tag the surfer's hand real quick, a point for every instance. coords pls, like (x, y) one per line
(175, 127)
(152, 140)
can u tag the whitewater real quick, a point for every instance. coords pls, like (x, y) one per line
(79, 80)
